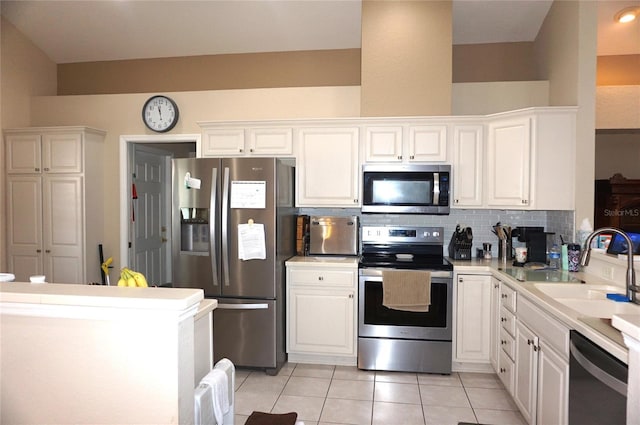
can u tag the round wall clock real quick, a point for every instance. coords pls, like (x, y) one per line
(160, 113)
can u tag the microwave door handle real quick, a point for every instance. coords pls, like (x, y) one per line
(436, 188)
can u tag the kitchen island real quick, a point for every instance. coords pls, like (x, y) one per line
(101, 354)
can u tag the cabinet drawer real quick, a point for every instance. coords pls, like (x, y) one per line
(505, 371)
(549, 330)
(508, 297)
(344, 278)
(508, 321)
(508, 344)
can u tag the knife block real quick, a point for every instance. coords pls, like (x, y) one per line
(459, 250)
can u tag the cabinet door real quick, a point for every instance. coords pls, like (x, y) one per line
(508, 163)
(473, 318)
(23, 152)
(428, 143)
(328, 174)
(62, 153)
(63, 226)
(321, 321)
(223, 142)
(270, 141)
(526, 363)
(553, 387)
(467, 166)
(383, 144)
(24, 226)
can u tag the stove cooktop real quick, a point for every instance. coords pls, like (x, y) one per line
(405, 261)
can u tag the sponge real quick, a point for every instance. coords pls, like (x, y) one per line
(618, 298)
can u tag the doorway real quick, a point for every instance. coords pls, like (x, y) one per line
(145, 201)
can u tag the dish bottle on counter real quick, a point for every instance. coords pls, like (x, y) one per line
(554, 257)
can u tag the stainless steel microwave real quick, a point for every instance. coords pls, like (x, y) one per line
(406, 188)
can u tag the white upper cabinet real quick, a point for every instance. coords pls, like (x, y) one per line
(60, 152)
(531, 159)
(408, 143)
(468, 151)
(427, 143)
(508, 162)
(328, 167)
(246, 140)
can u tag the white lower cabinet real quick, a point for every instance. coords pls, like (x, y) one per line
(541, 366)
(473, 319)
(321, 313)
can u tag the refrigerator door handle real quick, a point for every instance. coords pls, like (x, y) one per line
(212, 226)
(259, 306)
(225, 230)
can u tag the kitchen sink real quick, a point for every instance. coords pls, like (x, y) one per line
(603, 309)
(589, 300)
(577, 290)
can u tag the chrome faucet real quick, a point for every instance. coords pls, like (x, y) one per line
(632, 289)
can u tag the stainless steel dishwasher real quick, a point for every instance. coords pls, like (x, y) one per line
(597, 385)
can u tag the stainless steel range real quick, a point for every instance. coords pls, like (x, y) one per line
(398, 340)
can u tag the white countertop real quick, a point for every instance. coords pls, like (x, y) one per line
(600, 331)
(99, 295)
(324, 261)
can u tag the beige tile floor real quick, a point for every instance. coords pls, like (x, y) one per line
(341, 395)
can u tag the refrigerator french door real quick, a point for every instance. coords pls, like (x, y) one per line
(212, 200)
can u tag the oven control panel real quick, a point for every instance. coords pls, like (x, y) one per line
(402, 235)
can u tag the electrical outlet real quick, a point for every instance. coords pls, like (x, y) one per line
(607, 273)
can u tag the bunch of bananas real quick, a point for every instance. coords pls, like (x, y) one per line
(132, 278)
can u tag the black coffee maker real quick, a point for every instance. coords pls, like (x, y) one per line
(535, 239)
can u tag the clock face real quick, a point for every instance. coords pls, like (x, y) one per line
(160, 113)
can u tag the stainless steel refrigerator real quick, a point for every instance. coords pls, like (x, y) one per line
(233, 227)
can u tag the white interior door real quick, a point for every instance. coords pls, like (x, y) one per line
(149, 214)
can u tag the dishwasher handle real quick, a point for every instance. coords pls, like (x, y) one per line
(602, 376)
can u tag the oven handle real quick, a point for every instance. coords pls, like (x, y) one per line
(375, 272)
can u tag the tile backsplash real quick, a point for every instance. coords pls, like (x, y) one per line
(481, 221)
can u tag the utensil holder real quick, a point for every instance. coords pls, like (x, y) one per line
(505, 251)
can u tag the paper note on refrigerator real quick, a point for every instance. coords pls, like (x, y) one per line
(251, 242)
(248, 194)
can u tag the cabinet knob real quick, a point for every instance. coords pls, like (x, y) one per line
(350, 295)
(355, 201)
(460, 280)
(456, 201)
(503, 342)
(240, 150)
(535, 348)
(38, 250)
(529, 342)
(47, 251)
(502, 370)
(503, 319)
(37, 169)
(251, 150)
(412, 157)
(400, 157)
(524, 201)
(320, 278)
(46, 169)
(503, 296)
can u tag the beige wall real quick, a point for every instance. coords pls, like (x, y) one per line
(566, 56)
(621, 70)
(218, 72)
(406, 68)
(120, 114)
(25, 71)
(474, 63)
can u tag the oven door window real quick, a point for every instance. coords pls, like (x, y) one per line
(376, 314)
(384, 188)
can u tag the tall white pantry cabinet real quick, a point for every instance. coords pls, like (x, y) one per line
(54, 203)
